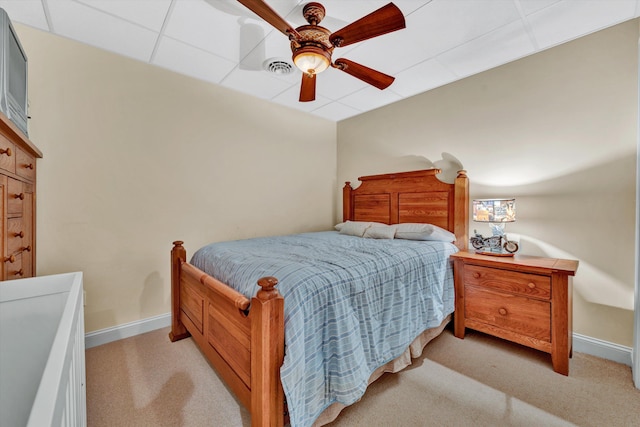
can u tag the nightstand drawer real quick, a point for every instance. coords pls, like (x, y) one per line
(527, 284)
(521, 315)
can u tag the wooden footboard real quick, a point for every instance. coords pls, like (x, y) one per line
(243, 339)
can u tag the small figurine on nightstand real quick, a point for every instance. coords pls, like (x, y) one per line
(496, 212)
(494, 245)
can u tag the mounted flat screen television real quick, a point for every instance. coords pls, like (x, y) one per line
(13, 74)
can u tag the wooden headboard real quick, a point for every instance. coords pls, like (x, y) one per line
(417, 196)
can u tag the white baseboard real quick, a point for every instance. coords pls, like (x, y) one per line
(604, 349)
(581, 343)
(115, 333)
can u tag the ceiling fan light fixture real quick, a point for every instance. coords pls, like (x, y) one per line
(311, 59)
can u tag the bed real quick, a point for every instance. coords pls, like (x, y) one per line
(240, 325)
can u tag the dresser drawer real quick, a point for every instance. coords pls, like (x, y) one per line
(15, 196)
(514, 313)
(13, 267)
(25, 165)
(7, 155)
(526, 284)
(15, 234)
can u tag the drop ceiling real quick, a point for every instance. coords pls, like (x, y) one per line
(222, 42)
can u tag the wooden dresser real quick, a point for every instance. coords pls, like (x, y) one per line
(18, 182)
(524, 299)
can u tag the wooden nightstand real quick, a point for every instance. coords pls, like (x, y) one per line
(524, 299)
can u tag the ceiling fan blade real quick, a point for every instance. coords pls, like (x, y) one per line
(366, 74)
(382, 21)
(308, 88)
(265, 11)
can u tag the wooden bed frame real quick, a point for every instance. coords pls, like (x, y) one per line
(246, 347)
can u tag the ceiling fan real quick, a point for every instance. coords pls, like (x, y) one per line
(312, 45)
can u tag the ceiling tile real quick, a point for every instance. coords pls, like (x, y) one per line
(409, 6)
(496, 48)
(274, 45)
(422, 77)
(28, 12)
(442, 25)
(80, 22)
(284, 8)
(290, 98)
(531, 6)
(200, 23)
(370, 98)
(566, 20)
(147, 13)
(336, 111)
(336, 84)
(256, 83)
(182, 58)
(390, 53)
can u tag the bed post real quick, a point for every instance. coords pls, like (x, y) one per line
(461, 214)
(178, 256)
(347, 212)
(267, 355)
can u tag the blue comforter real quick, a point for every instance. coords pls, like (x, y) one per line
(351, 305)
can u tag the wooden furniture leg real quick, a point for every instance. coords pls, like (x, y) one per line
(178, 256)
(267, 355)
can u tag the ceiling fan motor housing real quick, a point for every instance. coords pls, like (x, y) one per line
(313, 13)
(314, 40)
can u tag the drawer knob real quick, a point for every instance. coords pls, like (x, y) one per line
(19, 272)
(531, 285)
(28, 166)
(20, 234)
(27, 249)
(503, 311)
(19, 196)
(476, 275)
(10, 258)
(6, 151)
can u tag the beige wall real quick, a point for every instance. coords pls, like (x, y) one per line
(556, 130)
(136, 156)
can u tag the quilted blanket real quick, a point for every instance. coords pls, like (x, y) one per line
(351, 305)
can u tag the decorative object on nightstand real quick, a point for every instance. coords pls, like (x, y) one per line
(524, 299)
(496, 212)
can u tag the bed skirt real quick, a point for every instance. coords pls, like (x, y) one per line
(396, 365)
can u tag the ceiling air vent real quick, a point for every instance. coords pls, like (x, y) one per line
(278, 66)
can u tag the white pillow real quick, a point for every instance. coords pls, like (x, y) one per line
(380, 232)
(340, 225)
(418, 231)
(366, 223)
(353, 228)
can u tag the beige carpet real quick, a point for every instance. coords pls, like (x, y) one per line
(479, 381)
